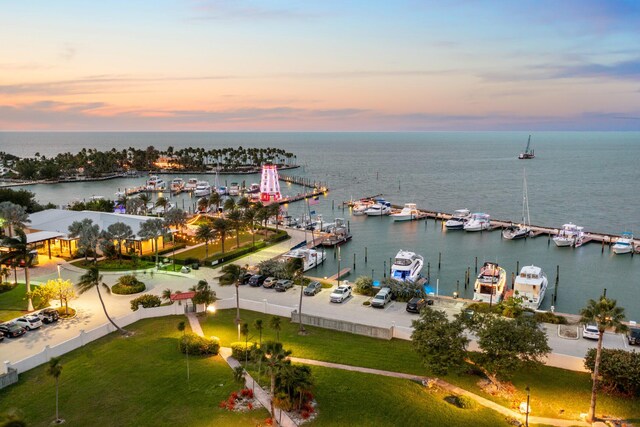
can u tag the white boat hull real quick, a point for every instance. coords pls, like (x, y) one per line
(621, 249)
(454, 225)
(398, 217)
(201, 193)
(562, 241)
(476, 227)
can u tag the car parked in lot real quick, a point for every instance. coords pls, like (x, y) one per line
(340, 293)
(245, 278)
(633, 336)
(416, 304)
(590, 331)
(312, 288)
(12, 330)
(269, 282)
(257, 280)
(283, 285)
(48, 315)
(29, 322)
(381, 298)
(1, 336)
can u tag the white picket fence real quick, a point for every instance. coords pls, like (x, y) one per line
(260, 306)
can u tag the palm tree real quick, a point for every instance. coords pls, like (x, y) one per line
(275, 324)
(152, 229)
(163, 203)
(145, 199)
(175, 218)
(222, 227)
(232, 275)
(93, 279)
(235, 216)
(166, 294)
(119, 231)
(182, 327)
(249, 217)
(206, 233)
(88, 235)
(275, 358)
(54, 370)
(229, 205)
(243, 202)
(13, 216)
(274, 210)
(215, 199)
(20, 253)
(605, 314)
(244, 331)
(259, 327)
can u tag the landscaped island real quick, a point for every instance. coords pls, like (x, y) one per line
(94, 164)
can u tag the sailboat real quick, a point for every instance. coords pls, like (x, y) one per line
(528, 152)
(524, 229)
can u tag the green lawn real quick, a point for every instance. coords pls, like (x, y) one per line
(554, 392)
(215, 247)
(116, 265)
(14, 302)
(135, 381)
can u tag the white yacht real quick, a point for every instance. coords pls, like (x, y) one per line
(570, 235)
(222, 190)
(154, 183)
(379, 208)
(530, 285)
(191, 184)
(407, 266)
(360, 207)
(490, 284)
(254, 188)
(234, 189)
(523, 229)
(477, 222)
(408, 213)
(202, 189)
(624, 244)
(177, 184)
(458, 219)
(161, 210)
(311, 257)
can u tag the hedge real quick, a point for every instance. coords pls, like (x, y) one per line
(146, 301)
(239, 350)
(167, 251)
(199, 345)
(127, 285)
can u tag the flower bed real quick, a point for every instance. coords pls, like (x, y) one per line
(241, 401)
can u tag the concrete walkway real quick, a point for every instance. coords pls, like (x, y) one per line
(260, 394)
(449, 387)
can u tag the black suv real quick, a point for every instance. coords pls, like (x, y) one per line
(416, 304)
(633, 336)
(257, 280)
(245, 278)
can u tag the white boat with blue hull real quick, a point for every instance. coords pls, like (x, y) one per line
(624, 244)
(407, 266)
(381, 207)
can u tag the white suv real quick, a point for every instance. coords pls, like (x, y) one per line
(340, 294)
(590, 331)
(28, 322)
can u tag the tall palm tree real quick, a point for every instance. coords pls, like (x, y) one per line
(606, 315)
(93, 279)
(235, 217)
(163, 203)
(244, 331)
(274, 211)
(259, 327)
(215, 199)
(13, 217)
(88, 235)
(166, 294)
(54, 370)
(229, 204)
(206, 233)
(232, 275)
(249, 217)
(276, 324)
(222, 227)
(119, 231)
(275, 358)
(203, 204)
(175, 218)
(244, 202)
(152, 229)
(145, 199)
(20, 254)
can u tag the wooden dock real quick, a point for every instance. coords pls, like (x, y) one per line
(341, 274)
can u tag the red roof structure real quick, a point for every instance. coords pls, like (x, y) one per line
(182, 296)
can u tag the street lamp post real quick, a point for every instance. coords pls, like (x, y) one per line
(526, 422)
(59, 275)
(338, 275)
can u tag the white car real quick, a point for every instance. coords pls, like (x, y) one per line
(28, 322)
(590, 331)
(340, 293)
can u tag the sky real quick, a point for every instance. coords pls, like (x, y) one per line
(248, 65)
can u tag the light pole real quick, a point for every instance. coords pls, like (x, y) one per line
(338, 275)
(526, 422)
(59, 275)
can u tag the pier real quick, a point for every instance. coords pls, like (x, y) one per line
(339, 275)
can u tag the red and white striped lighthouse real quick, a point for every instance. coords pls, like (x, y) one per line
(269, 184)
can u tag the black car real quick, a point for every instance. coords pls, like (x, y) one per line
(257, 280)
(245, 278)
(283, 285)
(633, 336)
(48, 315)
(312, 288)
(12, 330)
(416, 304)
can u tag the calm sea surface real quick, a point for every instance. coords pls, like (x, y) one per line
(590, 179)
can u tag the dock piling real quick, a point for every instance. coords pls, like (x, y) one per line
(385, 269)
(518, 266)
(476, 265)
(365, 254)
(513, 279)
(354, 260)
(439, 259)
(428, 272)
(555, 290)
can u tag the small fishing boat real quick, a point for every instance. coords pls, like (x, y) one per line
(254, 188)
(569, 235)
(310, 257)
(477, 222)
(458, 219)
(234, 189)
(177, 184)
(528, 152)
(407, 266)
(530, 285)
(624, 244)
(490, 284)
(203, 188)
(408, 213)
(191, 184)
(523, 229)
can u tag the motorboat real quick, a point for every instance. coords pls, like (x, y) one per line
(522, 230)
(310, 257)
(338, 233)
(407, 266)
(154, 183)
(379, 208)
(458, 219)
(490, 284)
(569, 235)
(624, 244)
(223, 191)
(530, 285)
(254, 188)
(528, 152)
(191, 184)
(202, 189)
(177, 184)
(408, 213)
(160, 210)
(234, 189)
(477, 222)
(359, 208)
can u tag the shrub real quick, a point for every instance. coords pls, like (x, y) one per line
(462, 402)
(147, 301)
(402, 291)
(364, 286)
(6, 287)
(127, 285)
(199, 345)
(239, 350)
(619, 370)
(549, 317)
(366, 302)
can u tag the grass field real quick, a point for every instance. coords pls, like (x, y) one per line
(135, 381)
(14, 303)
(554, 392)
(216, 246)
(115, 265)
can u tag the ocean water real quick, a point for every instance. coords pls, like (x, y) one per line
(589, 179)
